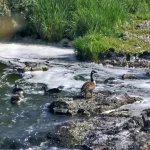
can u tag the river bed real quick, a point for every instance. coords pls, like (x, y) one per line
(32, 118)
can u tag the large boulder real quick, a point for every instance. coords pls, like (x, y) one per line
(100, 102)
(102, 133)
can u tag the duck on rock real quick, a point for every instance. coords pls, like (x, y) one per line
(89, 86)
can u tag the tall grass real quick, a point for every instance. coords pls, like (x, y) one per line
(56, 19)
(50, 19)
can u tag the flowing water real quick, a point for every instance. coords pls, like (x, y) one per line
(25, 125)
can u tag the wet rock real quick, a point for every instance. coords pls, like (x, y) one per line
(146, 121)
(128, 76)
(100, 102)
(119, 54)
(147, 111)
(145, 55)
(33, 66)
(111, 53)
(65, 43)
(102, 133)
(128, 57)
(60, 107)
(117, 113)
(80, 77)
(101, 56)
(136, 76)
(123, 63)
(109, 80)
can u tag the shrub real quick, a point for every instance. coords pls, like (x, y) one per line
(4, 9)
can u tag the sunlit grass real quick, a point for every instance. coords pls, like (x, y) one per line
(90, 46)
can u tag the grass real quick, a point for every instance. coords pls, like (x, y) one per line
(54, 19)
(90, 46)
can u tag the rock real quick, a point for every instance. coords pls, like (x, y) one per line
(145, 55)
(119, 54)
(79, 77)
(60, 107)
(65, 43)
(117, 113)
(109, 80)
(128, 57)
(136, 76)
(33, 66)
(147, 111)
(101, 133)
(100, 102)
(138, 60)
(111, 53)
(146, 122)
(101, 56)
(128, 76)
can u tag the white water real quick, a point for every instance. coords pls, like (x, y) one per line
(62, 72)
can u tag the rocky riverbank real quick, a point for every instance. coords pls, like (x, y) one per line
(100, 102)
(137, 55)
(114, 130)
(102, 133)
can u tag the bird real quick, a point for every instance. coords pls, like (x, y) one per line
(15, 99)
(89, 86)
(53, 90)
(17, 90)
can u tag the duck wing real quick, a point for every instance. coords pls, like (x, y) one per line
(88, 86)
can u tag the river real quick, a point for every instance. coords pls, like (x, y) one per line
(24, 125)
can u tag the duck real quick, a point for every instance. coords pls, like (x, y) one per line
(15, 99)
(89, 86)
(53, 90)
(17, 90)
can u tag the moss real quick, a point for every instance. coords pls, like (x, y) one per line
(72, 134)
(76, 132)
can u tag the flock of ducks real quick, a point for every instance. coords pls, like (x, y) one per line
(87, 87)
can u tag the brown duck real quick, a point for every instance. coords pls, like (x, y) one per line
(89, 86)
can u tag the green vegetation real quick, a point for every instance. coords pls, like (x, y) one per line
(93, 25)
(89, 46)
(59, 19)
